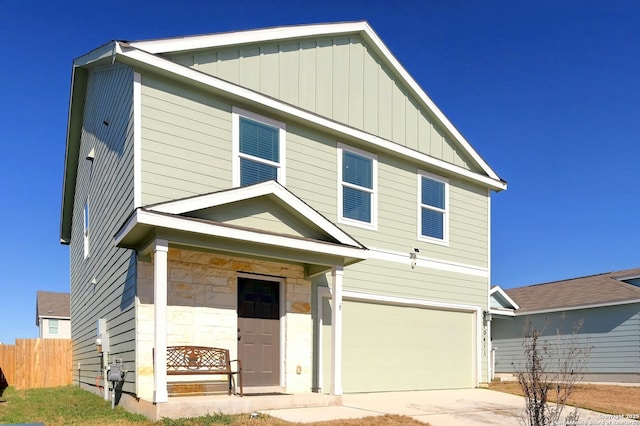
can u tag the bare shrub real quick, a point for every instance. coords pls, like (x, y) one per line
(552, 368)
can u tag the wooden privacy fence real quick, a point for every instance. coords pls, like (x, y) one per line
(37, 363)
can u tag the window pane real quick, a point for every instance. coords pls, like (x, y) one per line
(86, 217)
(433, 193)
(356, 204)
(53, 326)
(432, 224)
(259, 140)
(252, 172)
(357, 169)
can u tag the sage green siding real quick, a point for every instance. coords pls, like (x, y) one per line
(186, 141)
(186, 151)
(340, 78)
(107, 184)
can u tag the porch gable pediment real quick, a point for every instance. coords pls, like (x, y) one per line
(266, 206)
(261, 221)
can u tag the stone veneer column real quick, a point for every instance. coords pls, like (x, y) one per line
(160, 249)
(337, 273)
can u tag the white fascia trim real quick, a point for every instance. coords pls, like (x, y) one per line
(282, 33)
(137, 140)
(107, 50)
(427, 262)
(499, 290)
(575, 308)
(507, 313)
(254, 191)
(208, 41)
(134, 55)
(141, 217)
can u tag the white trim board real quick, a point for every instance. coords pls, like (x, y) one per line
(143, 217)
(427, 262)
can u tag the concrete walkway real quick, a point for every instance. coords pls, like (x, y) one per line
(468, 407)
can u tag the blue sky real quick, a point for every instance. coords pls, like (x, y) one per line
(548, 92)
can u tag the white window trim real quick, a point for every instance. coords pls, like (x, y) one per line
(373, 225)
(50, 328)
(236, 113)
(445, 237)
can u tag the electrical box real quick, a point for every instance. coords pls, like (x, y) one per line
(102, 337)
(115, 373)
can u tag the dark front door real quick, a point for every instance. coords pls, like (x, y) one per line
(259, 331)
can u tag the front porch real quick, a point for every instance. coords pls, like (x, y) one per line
(196, 406)
(232, 270)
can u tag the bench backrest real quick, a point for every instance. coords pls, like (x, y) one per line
(192, 359)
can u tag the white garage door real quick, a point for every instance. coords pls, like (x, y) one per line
(395, 348)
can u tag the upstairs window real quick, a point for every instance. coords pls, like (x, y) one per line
(53, 327)
(434, 200)
(258, 149)
(358, 190)
(86, 229)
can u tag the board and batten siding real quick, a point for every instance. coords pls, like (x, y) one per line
(107, 184)
(612, 334)
(340, 78)
(186, 151)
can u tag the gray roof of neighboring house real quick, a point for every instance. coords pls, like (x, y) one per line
(602, 289)
(52, 305)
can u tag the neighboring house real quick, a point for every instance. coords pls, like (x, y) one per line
(603, 310)
(53, 316)
(297, 169)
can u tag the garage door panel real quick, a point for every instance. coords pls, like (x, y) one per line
(389, 347)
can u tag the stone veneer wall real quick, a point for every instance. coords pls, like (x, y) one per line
(201, 310)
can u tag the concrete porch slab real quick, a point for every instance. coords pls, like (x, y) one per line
(195, 406)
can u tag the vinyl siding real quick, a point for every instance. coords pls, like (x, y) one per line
(186, 142)
(612, 333)
(186, 154)
(342, 79)
(107, 183)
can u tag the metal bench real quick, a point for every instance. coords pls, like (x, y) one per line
(199, 360)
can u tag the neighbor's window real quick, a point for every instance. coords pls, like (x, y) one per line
(358, 189)
(433, 208)
(259, 145)
(86, 229)
(53, 326)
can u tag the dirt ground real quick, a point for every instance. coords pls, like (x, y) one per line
(623, 400)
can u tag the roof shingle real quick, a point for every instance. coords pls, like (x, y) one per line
(606, 288)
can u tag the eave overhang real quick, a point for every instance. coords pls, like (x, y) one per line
(578, 307)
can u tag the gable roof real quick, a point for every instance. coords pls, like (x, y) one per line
(175, 219)
(500, 302)
(149, 55)
(52, 305)
(578, 293)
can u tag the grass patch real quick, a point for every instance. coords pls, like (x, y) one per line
(607, 399)
(70, 405)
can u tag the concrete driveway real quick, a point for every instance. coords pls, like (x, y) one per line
(466, 407)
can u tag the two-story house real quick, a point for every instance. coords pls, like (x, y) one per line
(290, 194)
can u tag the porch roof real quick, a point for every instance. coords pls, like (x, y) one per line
(203, 222)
